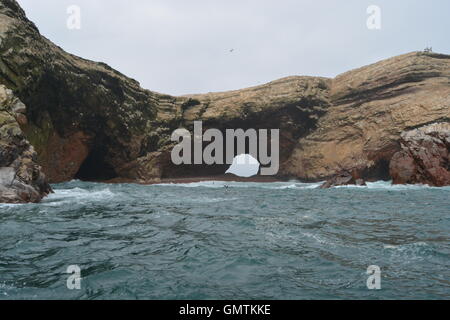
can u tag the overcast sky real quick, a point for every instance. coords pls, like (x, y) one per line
(196, 46)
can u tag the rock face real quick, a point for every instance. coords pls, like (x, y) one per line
(369, 109)
(21, 179)
(424, 158)
(88, 121)
(343, 179)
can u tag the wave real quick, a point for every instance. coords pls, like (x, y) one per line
(94, 192)
(10, 205)
(402, 247)
(390, 186)
(411, 251)
(232, 184)
(380, 185)
(62, 196)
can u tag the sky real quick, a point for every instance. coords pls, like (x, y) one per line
(182, 47)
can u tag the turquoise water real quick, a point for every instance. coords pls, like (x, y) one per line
(248, 241)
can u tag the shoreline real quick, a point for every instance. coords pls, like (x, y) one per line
(225, 177)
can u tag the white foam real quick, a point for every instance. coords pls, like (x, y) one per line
(380, 185)
(6, 287)
(387, 185)
(62, 196)
(232, 184)
(205, 184)
(319, 239)
(404, 247)
(410, 251)
(210, 200)
(11, 205)
(390, 186)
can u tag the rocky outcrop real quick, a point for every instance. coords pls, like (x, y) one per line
(90, 122)
(78, 109)
(369, 109)
(424, 158)
(21, 178)
(343, 179)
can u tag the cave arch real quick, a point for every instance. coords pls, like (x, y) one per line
(95, 167)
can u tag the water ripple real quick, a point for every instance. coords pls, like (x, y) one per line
(283, 240)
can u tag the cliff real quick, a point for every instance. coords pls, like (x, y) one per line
(21, 178)
(88, 121)
(424, 156)
(369, 109)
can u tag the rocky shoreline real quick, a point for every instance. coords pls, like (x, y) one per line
(424, 156)
(21, 178)
(85, 120)
(222, 178)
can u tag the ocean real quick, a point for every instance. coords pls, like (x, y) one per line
(227, 240)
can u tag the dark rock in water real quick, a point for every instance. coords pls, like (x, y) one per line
(21, 178)
(343, 179)
(424, 158)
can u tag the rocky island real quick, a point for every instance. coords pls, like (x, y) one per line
(63, 117)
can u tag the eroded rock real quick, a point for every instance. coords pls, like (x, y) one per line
(424, 158)
(21, 178)
(344, 178)
(81, 112)
(369, 109)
